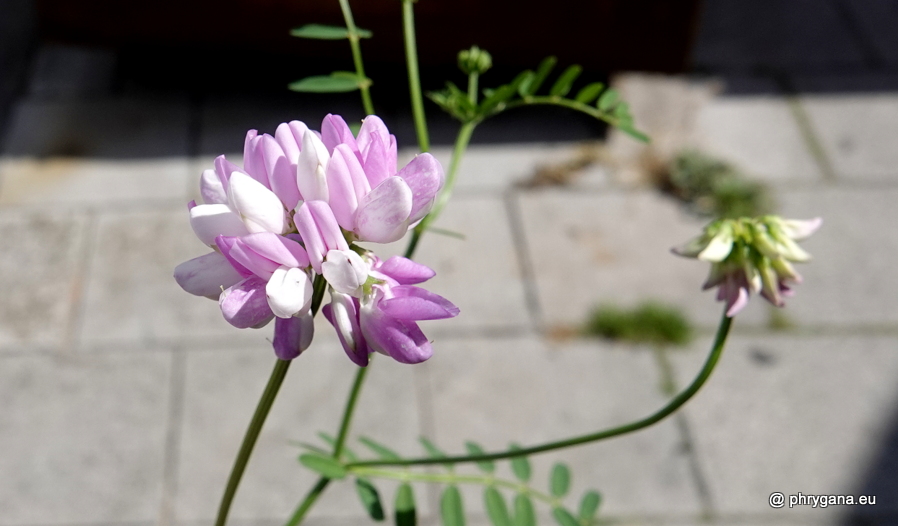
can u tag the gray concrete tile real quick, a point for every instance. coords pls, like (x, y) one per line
(496, 391)
(793, 414)
(591, 249)
(118, 128)
(40, 276)
(848, 280)
(479, 273)
(131, 296)
(82, 437)
(222, 388)
(74, 181)
(758, 135)
(857, 132)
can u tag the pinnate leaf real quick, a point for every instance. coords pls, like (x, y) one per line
(379, 449)
(524, 515)
(560, 480)
(451, 507)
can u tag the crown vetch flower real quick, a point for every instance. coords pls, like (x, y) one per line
(294, 211)
(751, 256)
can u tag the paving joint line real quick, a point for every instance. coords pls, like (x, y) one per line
(172, 449)
(78, 297)
(522, 253)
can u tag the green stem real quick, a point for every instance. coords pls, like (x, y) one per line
(414, 79)
(461, 144)
(307, 503)
(249, 440)
(671, 407)
(348, 410)
(452, 478)
(357, 56)
(472, 87)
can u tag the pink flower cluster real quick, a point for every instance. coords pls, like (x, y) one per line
(293, 212)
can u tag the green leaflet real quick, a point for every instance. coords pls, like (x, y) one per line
(608, 99)
(405, 506)
(524, 515)
(327, 466)
(379, 449)
(486, 466)
(563, 85)
(589, 505)
(564, 518)
(545, 67)
(560, 481)
(495, 507)
(370, 498)
(336, 82)
(589, 92)
(451, 507)
(324, 32)
(520, 465)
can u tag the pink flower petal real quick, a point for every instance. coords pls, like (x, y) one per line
(405, 271)
(292, 336)
(244, 304)
(414, 303)
(281, 174)
(424, 176)
(383, 215)
(334, 131)
(206, 275)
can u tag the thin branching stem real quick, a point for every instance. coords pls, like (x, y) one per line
(667, 410)
(414, 78)
(357, 57)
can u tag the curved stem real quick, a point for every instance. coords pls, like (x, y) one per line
(357, 56)
(672, 406)
(452, 478)
(307, 503)
(461, 144)
(249, 440)
(414, 79)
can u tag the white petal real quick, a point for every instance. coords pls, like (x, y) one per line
(289, 290)
(212, 189)
(206, 275)
(260, 209)
(211, 221)
(311, 168)
(345, 271)
(383, 215)
(718, 248)
(798, 229)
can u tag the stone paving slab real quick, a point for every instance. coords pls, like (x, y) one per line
(40, 277)
(74, 181)
(131, 296)
(844, 285)
(499, 390)
(759, 136)
(117, 128)
(82, 437)
(794, 414)
(221, 390)
(857, 132)
(594, 248)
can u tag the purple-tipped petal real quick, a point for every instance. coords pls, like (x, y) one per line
(252, 260)
(372, 127)
(383, 214)
(211, 221)
(342, 196)
(424, 176)
(293, 335)
(281, 250)
(244, 304)
(206, 275)
(414, 303)
(225, 244)
(400, 339)
(377, 161)
(281, 174)
(405, 271)
(335, 131)
(320, 231)
(253, 162)
(289, 136)
(343, 314)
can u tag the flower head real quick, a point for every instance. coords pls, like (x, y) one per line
(292, 214)
(751, 256)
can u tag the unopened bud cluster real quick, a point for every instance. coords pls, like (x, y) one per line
(751, 256)
(474, 60)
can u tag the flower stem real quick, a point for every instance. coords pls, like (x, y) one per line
(667, 410)
(349, 409)
(414, 79)
(473, 77)
(461, 144)
(307, 503)
(249, 440)
(357, 56)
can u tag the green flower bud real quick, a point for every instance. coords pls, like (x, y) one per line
(474, 60)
